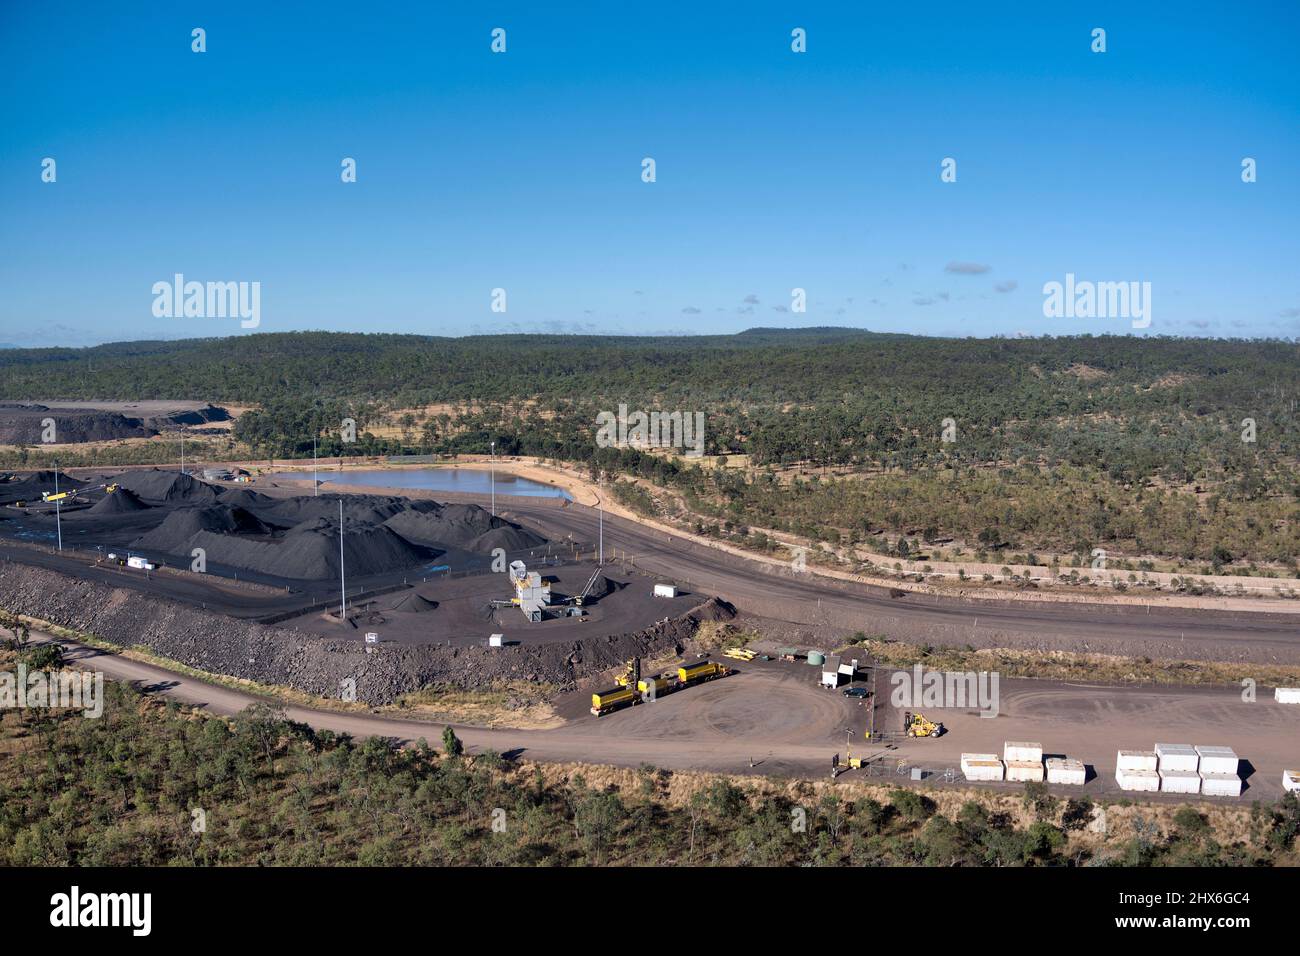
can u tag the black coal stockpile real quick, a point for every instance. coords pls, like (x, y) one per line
(171, 487)
(176, 534)
(468, 527)
(411, 603)
(119, 502)
(24, 425)
(169, 514)
(30, 487)
(310, 551)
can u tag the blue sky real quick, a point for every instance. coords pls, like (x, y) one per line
(522, 170)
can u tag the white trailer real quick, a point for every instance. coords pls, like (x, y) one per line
(666, 590)
(1179, 757)
(1286, 695)
(1291, 780)
(1067, 771)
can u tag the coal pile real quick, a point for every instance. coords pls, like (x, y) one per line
(198, 416)
(119, 502)
(178, 530)
(468, 527)
(412, 603)
(31, 487)
(310, 551)
(22, 425)
(168, 514)
(168, 487)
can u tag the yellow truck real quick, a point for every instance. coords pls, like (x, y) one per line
(699, 672)
(607, 701)
(661, 685)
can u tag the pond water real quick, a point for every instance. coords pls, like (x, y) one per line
(469, 480)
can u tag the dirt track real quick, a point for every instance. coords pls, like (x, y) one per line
(773, 720)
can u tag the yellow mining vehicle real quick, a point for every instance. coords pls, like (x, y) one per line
(918, 725)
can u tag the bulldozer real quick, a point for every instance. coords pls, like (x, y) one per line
(918, 725)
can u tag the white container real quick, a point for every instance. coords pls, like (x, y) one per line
(981, 767)
(665, 590)
(496, 640)
(135, 561)
(1291, 780)
(1146, 781)
(1218, 760)
(1180, 781)
(1025, 770)
(1177, 757)
(1136, 760)
(1067, 771)
(1286, 695)
(1220, 785)
(1017, 750)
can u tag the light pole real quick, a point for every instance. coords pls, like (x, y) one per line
(492, 469)
(600, 537)
(343, 581)
(315, 480)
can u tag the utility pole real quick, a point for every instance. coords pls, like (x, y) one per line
(492, 468)
(182, 453)
(343, 582)
(315, 480)
(601, 535)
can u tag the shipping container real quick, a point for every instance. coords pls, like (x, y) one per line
(496, 640)
(1180, 781)
(1018, 750)
(1220, 784)
(1291, 780)
(1067, 771)
(1287, 695)
(665, 591)
(1182, 758)
(1137, 760)
(1147, 781)
(1218, 760)
(982, 767)
(1023, 771)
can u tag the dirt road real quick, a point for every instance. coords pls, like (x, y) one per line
(773, 720)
